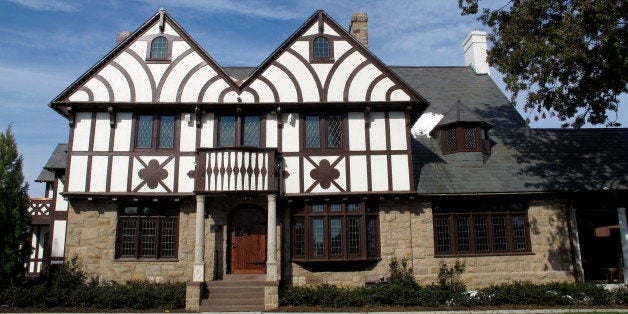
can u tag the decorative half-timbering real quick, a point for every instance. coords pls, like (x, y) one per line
(308, 169)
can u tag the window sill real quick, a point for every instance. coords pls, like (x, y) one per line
(322, 60)
(337, 260)
(158, 61)
(440, 255)
(140, 260)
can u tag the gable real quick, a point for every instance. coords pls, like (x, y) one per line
(129, 75)
(188, 75)
(351, 74)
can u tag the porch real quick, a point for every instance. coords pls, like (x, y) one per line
(247, 226)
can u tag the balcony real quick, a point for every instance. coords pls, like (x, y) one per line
(224, 170)
(39, 210)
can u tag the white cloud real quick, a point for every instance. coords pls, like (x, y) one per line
(49, 5)
(280, 10)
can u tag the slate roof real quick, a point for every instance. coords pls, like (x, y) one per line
(462, 113)
(56, 162)
(522, 159)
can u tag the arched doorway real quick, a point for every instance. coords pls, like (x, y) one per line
(247, 240)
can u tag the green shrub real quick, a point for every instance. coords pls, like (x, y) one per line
(66, 287)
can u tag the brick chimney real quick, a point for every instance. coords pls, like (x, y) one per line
(359, 28)
(120, 37)
(475, 52)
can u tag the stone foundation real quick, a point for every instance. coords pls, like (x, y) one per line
(91, 236)
(193, 296)
(406, 231)
(271, 297)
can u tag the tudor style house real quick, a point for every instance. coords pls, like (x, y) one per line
(319, 165)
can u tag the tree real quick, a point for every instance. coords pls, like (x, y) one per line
(571, 56)
(14, 219)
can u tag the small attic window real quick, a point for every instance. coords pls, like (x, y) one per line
(321, 50)
(159, 48)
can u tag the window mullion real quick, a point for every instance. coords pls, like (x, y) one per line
(472, 247)
(158, 235)
(491, 239)
(362, 236)
(509, 231)
(138, 234)
(238, 131)
(453, 238)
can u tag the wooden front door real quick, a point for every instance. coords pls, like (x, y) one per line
(247, 237)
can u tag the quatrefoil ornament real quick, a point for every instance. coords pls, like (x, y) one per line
(153, 174)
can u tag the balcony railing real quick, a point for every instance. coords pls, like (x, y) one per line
(233, 169)
(39, 209)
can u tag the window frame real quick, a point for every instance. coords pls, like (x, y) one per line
(149, 43)
(155, 144)
(165, 53)
(240, 121)
(160, 216)
(323, 132)
(475, 211)
(330, 45)
(303, 213)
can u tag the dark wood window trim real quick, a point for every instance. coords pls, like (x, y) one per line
(239, 130)
(349, 231)
(150, 232)
(156, 132)
(456, 139)
(149, 41)
(323, 132)
(330, 44)
(479, 231)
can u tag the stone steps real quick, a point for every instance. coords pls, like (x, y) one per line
(235, 293)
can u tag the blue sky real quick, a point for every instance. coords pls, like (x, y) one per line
(47, 44)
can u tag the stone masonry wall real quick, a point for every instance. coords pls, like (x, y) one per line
(91, 236)
(406, 231)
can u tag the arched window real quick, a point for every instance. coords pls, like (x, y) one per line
(321, 48)
(159, 48)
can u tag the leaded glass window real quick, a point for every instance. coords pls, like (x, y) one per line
(318, 237)
(312, 132)
(159, 48)
(518, 233)
(144, 131)
(334, 231)
(251, 131)
(321, 48)
(147, 232)
(354, 235)
(334, 131)
(469, 138)
(469, 227)
(451, 139)
(166, 132)
(227, 131)
(299, 238)
(462, 233)
(336, 235)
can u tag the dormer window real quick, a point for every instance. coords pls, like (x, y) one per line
(159, 48)
(465, 139)
(462, 130)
